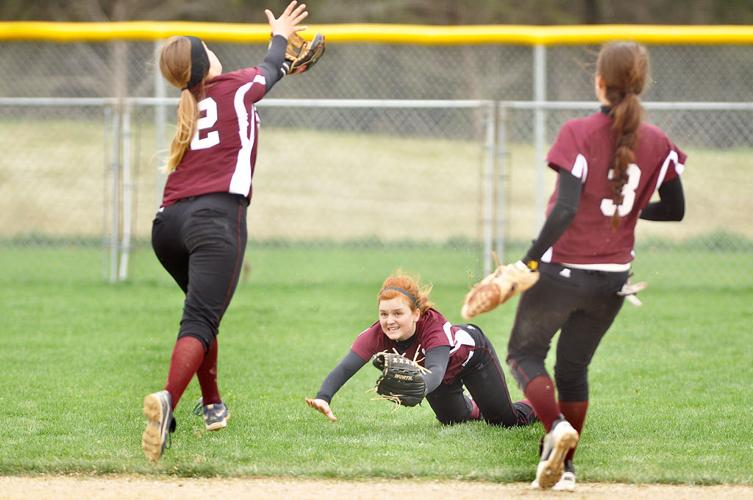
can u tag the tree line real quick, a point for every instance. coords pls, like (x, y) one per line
(434, 12)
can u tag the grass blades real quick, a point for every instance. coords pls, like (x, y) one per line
(669, 383)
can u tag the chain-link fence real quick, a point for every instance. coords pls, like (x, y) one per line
(679, 73)
(357, 174)
(380, 145)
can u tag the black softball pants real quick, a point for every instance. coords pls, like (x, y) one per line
(485, 381)
(582, 305)
(201, 241)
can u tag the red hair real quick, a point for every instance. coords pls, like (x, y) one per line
(409, 288)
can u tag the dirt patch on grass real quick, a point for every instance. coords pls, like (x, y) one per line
(63, 487)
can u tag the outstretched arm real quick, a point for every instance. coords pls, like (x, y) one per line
(436, 362)
(562, 214)
(272, 65)
(282, 28)
(344, 370)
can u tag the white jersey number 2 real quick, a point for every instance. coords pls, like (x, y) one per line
(209, 106)
(628, 193)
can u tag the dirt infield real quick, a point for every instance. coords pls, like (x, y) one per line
(64, 487)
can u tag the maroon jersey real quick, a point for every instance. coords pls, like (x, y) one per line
(222, 154)
(585, 147)
(432, 330)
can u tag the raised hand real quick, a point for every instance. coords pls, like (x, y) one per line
(322, 407)
(288, 22)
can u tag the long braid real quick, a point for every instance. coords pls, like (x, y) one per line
(627, 119)
(624, 68)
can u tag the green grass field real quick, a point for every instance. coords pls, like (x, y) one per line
(669, 384)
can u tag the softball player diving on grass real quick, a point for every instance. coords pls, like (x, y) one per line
(450, 356)
(199, 232)
(608, 165)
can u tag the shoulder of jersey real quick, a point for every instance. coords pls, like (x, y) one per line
(653, 130)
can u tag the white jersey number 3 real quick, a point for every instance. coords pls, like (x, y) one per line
(209, 107)
(628, 193)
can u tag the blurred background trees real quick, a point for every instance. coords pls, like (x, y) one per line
(441, 12)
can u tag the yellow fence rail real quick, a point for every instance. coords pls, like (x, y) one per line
(383, 33)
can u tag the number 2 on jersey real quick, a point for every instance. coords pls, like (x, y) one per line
(209, 106)
(628, 193)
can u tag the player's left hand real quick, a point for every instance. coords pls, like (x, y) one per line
(402, 379)
(288, 22)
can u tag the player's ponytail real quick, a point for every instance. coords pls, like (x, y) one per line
(175, 65)
(407, 287)
(624, 69)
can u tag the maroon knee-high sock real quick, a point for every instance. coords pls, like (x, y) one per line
(575, 413)
(188, 354)
(207, 375)
(540, 392)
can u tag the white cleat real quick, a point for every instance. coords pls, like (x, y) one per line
(566, 483)
(561, 439)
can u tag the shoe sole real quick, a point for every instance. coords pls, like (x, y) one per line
(555, 465)
(219, 425)
(150, 440)
(560, 486)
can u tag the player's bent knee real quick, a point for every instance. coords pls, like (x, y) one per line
(525, 369)
(205, 337)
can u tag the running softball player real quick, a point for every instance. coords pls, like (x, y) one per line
(455, 355)
(199, 232)
(609, 164)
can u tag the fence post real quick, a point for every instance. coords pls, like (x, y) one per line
(127, 205)
(501, 155)
(539, 128)
(115, 170)
(488, 175)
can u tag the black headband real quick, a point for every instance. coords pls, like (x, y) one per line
(199, 62)
(404, 292)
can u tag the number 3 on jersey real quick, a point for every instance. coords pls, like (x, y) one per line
(628, 193)
(209, 106)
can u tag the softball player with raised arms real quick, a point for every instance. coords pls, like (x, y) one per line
(608, 165)
(199, 233)
(453, 355)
